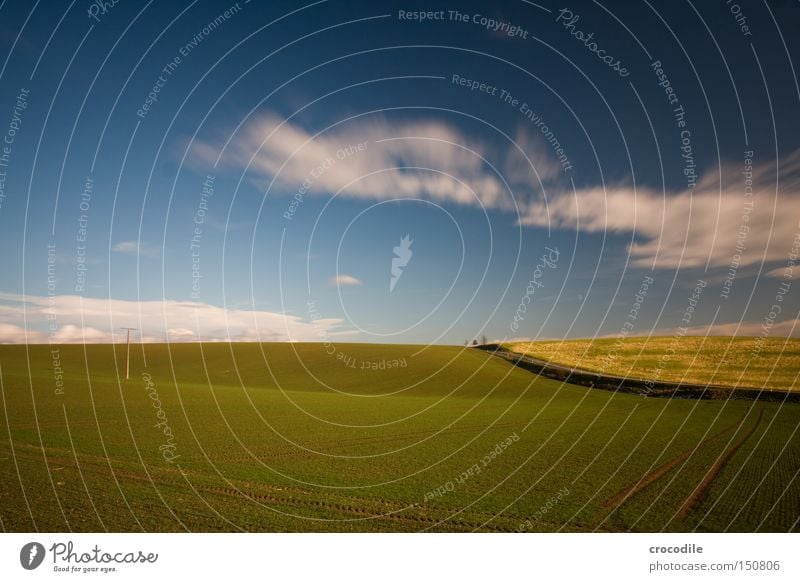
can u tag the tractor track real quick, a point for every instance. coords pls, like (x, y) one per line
(699, 493)
(360, 508)
(631, 490)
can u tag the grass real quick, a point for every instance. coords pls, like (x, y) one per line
(770, 364)
(286, 437)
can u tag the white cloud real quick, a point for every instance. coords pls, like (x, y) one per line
(76, 334)
(126, 246)
(344, 280)
(393, 163)
(674, 227)
(542, 167)
(781, 273)
(14, 334)
(80, 319)
(132, 247)
(782, 329)
(688, 230)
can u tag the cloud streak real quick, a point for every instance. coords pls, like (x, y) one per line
(789, 328)
(340, 280)
(75, 319)
(715, 224)
(135, 248)
(380, 160)
(435, 161)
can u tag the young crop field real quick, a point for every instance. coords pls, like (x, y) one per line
(747, 362)
(292, 437)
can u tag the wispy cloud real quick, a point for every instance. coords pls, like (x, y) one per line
(782, 329)
(132, 247)
(81, 319)
(781, 273)
(14, 334)
(344, 280)
(423, 159)
(682, 229)
(436, 161)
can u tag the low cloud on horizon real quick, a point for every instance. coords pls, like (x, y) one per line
(344, 280)
(135, 248)
(78, 319)
(91, 320)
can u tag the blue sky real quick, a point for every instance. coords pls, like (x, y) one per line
(486, 149)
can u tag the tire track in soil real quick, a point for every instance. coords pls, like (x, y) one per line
(624, 495)
(699, 493)
(367, 509)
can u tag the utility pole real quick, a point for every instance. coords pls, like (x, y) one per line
(128, 358)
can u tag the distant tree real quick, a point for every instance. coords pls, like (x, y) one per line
(484, 341)
(474, 342)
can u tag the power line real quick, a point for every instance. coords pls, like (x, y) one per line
(128, 358)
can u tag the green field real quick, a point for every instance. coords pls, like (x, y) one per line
(286, 437)
(747, 362)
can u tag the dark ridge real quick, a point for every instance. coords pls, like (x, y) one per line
(639, 386)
